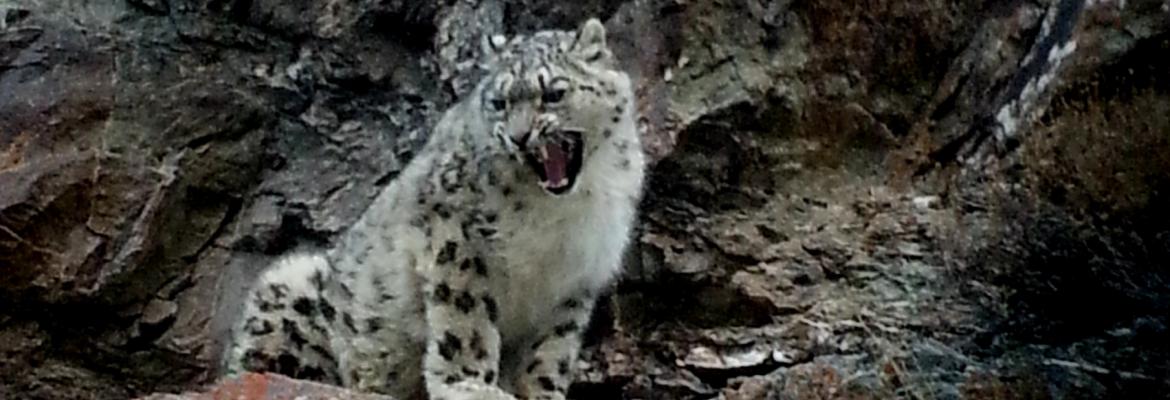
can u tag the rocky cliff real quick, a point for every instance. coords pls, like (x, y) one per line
(883, 199)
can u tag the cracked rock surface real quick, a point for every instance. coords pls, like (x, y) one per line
(888, 199)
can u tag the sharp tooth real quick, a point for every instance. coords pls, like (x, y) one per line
(543, 153)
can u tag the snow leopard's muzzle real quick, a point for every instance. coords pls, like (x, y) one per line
(554, 153)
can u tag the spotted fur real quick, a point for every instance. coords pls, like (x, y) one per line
(465, 279)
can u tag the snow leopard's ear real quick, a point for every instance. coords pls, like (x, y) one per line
(590, 41)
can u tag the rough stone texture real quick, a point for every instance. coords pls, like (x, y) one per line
(830, 214)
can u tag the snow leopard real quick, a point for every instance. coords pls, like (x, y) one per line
(474, 273)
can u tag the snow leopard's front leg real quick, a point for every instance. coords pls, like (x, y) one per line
(549, 370)
(463, 344)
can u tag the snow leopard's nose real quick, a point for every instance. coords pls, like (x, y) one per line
(541, 125)
(538, 127)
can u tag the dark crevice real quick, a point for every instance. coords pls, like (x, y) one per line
(14, 15)
(707, 305)
(947, 106)
(234, 206)
(413, 27)
(295, 232)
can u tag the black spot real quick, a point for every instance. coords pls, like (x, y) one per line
(279, 290)
(547, 384)
(617, 118)
(304, 306)
(465, 265)
(443, 292)
(571, 304)
(566, 328)
(538, 343)
(507, 191)
(607, 133)
(345, 290)
(373, 325)
(450, 346)
(392, 376)
(532, 366)
(267, 306)
(258, 327)
(619, 109)
(294, 334)
(451, 379)
(477, 346)
(447, 253)
(441, 210)
(257, 361)
(624, 164)
(327, 310)
(384, 297)
(489, 376)
(493, 310)
(519, 206)
(492, 178)
(469, 372)
(318, 280)
(563, 366)
(465, 227)
(450, 182)
(287, 365)
(487, 232)
(491, 217)
(316, 327)
(480, 266)
(323, 352)
(348, 319)
(465, 302)
(312, 372)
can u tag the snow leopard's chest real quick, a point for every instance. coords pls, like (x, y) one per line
(552, 249)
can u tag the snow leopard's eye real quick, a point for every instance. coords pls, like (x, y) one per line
(552, 96)
(555, 91)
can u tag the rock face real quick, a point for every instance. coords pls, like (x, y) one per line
(888, 199)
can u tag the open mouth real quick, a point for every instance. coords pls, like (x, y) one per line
(557, 162)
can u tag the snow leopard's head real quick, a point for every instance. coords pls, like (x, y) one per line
(553, 98)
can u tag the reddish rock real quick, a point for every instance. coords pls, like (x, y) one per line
(253, 386)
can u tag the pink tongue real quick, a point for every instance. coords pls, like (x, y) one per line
(554, 165)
